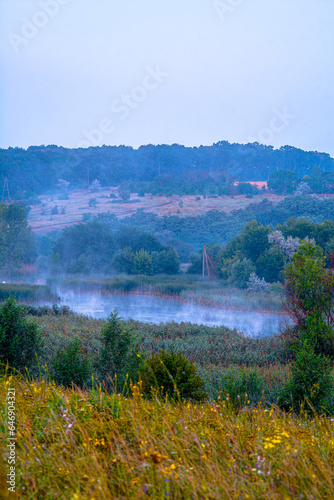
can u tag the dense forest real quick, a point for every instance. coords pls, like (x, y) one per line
(167, 169)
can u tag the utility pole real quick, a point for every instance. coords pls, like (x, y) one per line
(208, 265)
(5, 188)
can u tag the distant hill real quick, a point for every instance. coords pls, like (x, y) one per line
(164, 168)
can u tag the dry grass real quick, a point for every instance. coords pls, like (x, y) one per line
(89, 445)
(40, 218)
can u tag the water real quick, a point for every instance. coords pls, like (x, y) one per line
(156, 310)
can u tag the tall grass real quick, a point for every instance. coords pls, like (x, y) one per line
(27, 293)
(74, 444)
(214, 350)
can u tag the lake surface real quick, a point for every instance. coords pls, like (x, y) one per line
(156, 310)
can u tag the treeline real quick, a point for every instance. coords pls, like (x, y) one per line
(261, 253)
(168, 169)
(187, 233)
(94, 248)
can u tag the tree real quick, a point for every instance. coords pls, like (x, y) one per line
(166, 262)
(20, 340)
(119, 352)
(309, 302)
(17, 242)
(270, 264)
(309, 291)
(253, 240)
(123, 261)
(283, 181)
(142, 263)
(125, 194)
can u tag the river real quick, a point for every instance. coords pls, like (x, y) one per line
(156, 310)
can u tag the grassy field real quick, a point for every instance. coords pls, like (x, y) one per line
(71, 211)
(88, 445)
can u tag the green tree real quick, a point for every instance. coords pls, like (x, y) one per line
(309, 302)
(17, 242)
(142, 263)
(20, 339)
(119, 352)
(283, 181)
(70, 365)
(270, 264)
(166, 262)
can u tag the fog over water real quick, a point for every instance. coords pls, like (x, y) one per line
(157, 310)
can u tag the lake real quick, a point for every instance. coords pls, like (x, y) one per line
(156, 310)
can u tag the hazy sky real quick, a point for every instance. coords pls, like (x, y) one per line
(93, 72)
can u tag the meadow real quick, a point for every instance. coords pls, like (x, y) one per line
(89, 445)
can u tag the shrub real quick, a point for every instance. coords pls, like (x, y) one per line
(171, 374)
(118, 355)
(20, 340)
(242, 386)
(70, 366)
(311, 383)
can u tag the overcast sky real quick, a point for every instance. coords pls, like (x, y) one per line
(93, 72)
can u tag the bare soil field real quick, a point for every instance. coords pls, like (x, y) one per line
(42, 217)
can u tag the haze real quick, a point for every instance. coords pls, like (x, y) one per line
(197, 72)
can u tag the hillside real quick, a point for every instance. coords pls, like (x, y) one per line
(162, 169)
(42, 216)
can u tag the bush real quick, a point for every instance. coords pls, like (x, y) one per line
(171, 374)
(311, 383)
(70, 366)
(242, 386)
(118, 355)
(20, 340)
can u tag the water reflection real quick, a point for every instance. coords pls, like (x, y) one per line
(152, 309)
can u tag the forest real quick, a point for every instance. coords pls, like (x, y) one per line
(167, 169)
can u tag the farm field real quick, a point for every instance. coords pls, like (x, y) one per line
(72, 210)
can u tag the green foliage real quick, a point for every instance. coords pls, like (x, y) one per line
(166, 262)
(20, 339)
(270, 264)
(311, 383)
(119, 351)
(237, 271)
(283, 181)
(17, 242)
(309, 301)
(142, 263)
(31, 293)
(125, 194)
(241, 386)
(70, 366)
(171, 374)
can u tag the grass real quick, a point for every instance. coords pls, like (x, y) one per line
(74, 444)
(216, 351)
(27, 293)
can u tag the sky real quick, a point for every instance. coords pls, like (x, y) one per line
(80, 73)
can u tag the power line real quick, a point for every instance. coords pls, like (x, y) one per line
(5, 188)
